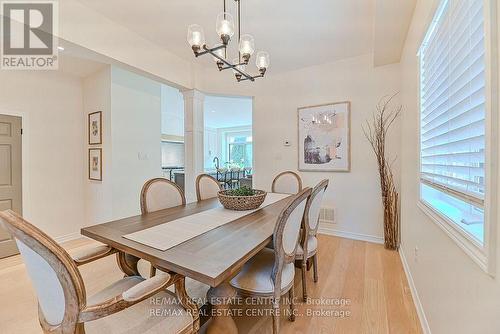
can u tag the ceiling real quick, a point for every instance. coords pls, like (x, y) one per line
(225, 112)
(296, 33)
(76, 66)
(390, 34)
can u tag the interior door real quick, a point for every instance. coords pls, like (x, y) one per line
(10, 176)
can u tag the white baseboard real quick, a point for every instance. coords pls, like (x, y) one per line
(68, 237)
(416, 299)
(329, 230)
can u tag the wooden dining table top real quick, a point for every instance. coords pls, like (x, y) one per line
(212, 257)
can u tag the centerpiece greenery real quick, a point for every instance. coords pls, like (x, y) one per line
(243, 191)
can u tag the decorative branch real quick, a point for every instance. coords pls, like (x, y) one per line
(376, 131)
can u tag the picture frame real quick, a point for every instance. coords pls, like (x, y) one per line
(95, 128)
(324, 137)
(95, 164)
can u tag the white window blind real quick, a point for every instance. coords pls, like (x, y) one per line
(453, 103)
(453, 111)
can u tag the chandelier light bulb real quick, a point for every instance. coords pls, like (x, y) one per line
(196, 37)
(224, 27)
(262, 61)
(247, 46)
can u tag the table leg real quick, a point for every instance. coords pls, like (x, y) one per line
(127, 264)
(220, 298)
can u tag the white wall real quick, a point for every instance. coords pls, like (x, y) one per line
(355, 195)
(211, 147)
(131, 141)
(136, 138)
(86, 27)
(51, 106)
(456, 295)
(98, 194)
(172, 111)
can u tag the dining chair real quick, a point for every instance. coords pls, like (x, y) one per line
(123, 307)
(159, 194)
(270, 273)
(222, 177)
(309, 242)
(287, 182)
(235, 177)
(206, 187)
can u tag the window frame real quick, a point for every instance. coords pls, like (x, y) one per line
(483, 255)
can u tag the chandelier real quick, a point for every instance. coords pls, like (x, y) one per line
(246, 46)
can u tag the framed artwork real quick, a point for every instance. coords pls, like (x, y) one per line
(324, 137)
(95, 128)
(95, 164)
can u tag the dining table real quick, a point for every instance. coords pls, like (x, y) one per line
(213, 257)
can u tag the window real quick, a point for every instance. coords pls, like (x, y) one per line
(240, 150)
(453, 117)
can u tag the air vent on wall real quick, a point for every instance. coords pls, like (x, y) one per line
(327, 215)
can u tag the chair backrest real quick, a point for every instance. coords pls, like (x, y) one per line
(58, 284)
(313, 207)
(287, 182)
(206, 187)
(286, 234)
(160, 193)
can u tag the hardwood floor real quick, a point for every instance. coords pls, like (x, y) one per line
(364, 275)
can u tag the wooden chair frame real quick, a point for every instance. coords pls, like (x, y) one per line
(198, 179)
(297, 176)
(308, 232)
(281, 258)
(145, 188)
(77, 312)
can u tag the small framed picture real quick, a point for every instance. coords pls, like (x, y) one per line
(324, 137)
(95, 128)
(95, 164)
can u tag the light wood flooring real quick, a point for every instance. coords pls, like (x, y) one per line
(365, 275)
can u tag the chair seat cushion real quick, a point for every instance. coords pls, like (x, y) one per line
(161, 313)
(255, 276)
(312, 246)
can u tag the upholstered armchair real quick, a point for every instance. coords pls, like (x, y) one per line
(123, 307)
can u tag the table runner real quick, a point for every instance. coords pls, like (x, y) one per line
(175, 232)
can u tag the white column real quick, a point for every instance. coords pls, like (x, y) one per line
(193, 140)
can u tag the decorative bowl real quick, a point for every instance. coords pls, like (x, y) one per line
(241, 203)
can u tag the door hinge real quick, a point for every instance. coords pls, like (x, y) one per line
(21, 131)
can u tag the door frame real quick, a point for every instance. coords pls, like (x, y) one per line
(26, 208)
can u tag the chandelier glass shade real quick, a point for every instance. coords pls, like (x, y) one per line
(225, 29)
